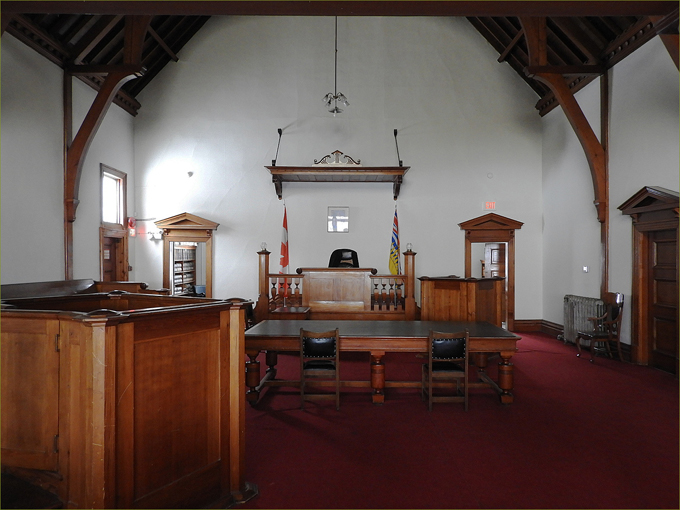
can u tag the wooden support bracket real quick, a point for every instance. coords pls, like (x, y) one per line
(535, 30)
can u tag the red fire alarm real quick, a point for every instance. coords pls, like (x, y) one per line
(132, 227)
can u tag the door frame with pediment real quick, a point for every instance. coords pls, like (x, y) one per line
(188, 228)
(493, 228)
(653, 210)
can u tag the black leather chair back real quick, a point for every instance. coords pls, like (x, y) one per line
(344, 257)
(448, 348)
(319, 347)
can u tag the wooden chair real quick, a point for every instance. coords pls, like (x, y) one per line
(606, 329)
(448, 360)
(319, 360)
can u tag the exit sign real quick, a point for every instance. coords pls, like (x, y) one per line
(489, 206)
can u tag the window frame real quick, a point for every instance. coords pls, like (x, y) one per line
(122, 179)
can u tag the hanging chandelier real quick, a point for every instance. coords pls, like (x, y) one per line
(331, 99)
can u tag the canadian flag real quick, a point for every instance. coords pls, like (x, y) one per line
(284, 244)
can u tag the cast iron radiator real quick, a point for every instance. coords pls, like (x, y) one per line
(577, 309)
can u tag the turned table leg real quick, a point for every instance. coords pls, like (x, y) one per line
(506, 378)
(252, 378)
(481, 360)
(378, 377)
(272, 358)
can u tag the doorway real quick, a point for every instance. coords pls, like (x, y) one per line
(654, 303)
(498, 232)
(113, 254)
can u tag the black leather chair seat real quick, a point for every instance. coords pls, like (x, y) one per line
(319, 365)
(589, 335)
(446, 366)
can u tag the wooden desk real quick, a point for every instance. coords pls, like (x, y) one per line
(378, 338)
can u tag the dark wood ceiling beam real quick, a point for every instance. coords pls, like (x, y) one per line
(348, 8)
(162, 44)
(179, 37)
(573, 70)
(667, 29)
(511, 45)
(76, 30)
(564, 46)
(629, 41)
(34, 37)
(578, 37)
(102, 70)
(4, 22)
(94, 36)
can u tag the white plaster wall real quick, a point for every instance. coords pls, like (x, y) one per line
(571, 230)
(467, 128)
(32, 166)
(643, 151)
(33, 169)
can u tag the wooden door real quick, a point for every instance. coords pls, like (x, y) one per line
(109, 262)
(30, 393)
(113, 254)
(494, 260)
(663, 300)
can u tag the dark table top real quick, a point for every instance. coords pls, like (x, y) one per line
(376, 329)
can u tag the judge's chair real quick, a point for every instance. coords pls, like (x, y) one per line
(448, 362)
(319, 360)
(606, 329)
(344, 258)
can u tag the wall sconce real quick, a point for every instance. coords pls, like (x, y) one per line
(156, 235)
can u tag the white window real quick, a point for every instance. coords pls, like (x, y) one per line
(113, 195)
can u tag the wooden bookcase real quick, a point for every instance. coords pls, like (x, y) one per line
(184, 269)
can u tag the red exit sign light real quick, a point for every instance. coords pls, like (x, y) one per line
(489, 206)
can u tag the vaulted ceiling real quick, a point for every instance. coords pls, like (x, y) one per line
(583, 39)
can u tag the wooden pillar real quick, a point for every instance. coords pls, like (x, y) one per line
(604, 140)
(261, 311)
(409, 292)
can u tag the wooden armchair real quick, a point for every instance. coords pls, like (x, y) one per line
(448, 361)
(607, 328)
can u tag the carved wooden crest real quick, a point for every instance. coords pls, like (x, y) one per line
(334, 159)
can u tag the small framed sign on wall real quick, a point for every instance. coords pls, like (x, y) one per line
(338, 219)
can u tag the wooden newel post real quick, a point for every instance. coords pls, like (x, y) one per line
(410, 272)
(261, 311)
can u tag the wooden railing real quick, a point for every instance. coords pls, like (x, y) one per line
(284, 290)
(338, 293)
(388, 293)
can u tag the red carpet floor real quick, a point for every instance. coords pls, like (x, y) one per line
(579, 435)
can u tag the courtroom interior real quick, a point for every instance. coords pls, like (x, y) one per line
(191, 191)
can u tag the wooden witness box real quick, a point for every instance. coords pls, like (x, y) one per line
(450, 298)
(120, 400)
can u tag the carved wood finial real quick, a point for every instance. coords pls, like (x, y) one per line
(336, 155)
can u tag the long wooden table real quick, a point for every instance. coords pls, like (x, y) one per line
(378, 338)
